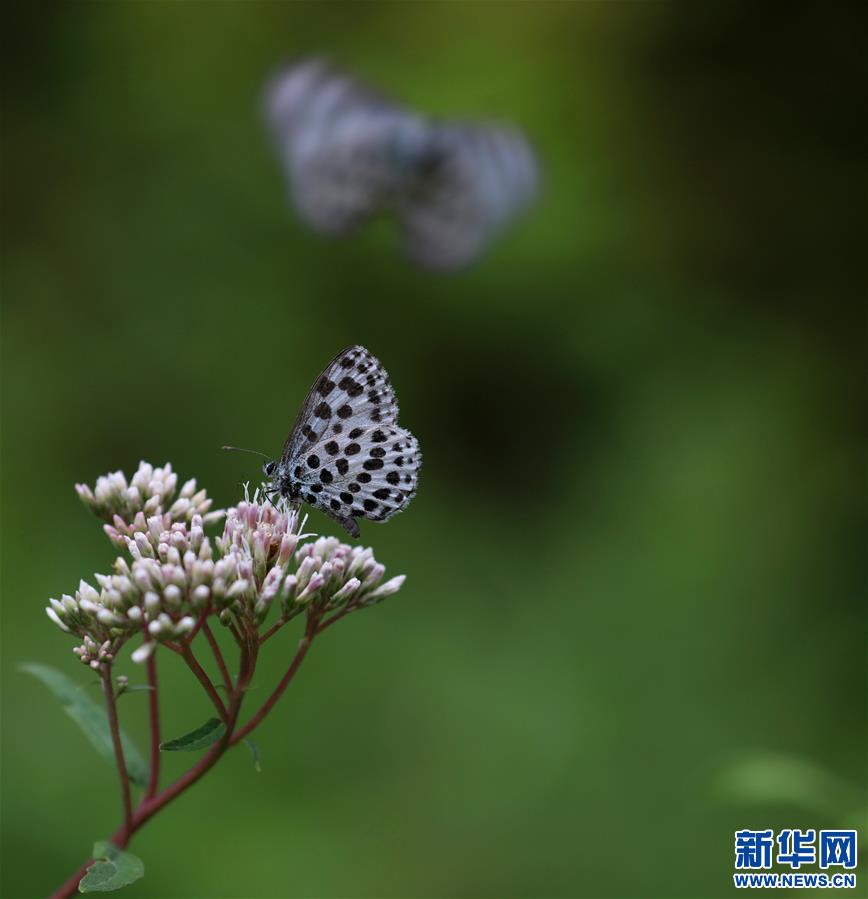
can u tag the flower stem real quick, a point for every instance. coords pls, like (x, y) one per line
(154, 715)
(218, 656)
(114, 727)
(272, 630)
(336, 617)
(203, 679)
(199, 622)
(298, 658)
(150, 805)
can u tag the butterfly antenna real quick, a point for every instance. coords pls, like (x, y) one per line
(241, 449)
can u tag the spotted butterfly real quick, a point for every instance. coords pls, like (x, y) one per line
(350, 154)
(346, 454)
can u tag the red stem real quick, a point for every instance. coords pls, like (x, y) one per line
(234, 631)
(203, 679)
(298, 658)
(114, 727)
(218, 656)
(271, 631)
(199, 622)
(336, 617)
(154, 715)
(150, 805)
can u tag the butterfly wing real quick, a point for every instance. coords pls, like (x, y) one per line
(349, 154)
(336, 139)
(346, 453)
(486, 176)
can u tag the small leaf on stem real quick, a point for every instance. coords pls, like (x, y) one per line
(111, 870)
(201, 738)
(254, 751)
(90, 717)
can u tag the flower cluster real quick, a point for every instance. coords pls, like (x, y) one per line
(175, 576)
(125, 507)
(339, 575)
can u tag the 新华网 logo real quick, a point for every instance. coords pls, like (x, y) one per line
(833, 851)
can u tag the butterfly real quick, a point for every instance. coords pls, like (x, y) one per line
(350, 154)
(346, 454)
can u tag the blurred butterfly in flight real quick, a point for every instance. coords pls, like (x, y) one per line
(346, 454)
(350, 154)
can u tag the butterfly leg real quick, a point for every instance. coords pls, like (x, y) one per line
(268, 495)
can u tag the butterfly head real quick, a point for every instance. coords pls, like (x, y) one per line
(269, 467)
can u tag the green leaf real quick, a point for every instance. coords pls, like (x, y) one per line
(254, 751)
(210, 732)
(91, 718)
(111, 870)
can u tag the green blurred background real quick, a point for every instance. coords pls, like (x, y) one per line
(634, 614)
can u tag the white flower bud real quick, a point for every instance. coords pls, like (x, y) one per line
(305, 570)
(85, 591)
(375, 575)
(54, 617)
(348, 589)
(180, 508)
(312, 586)
(237, 589)
(144, 652)
(185, 625)
(143, 545)
(390, 587)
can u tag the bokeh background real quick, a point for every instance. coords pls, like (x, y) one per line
(634, 617)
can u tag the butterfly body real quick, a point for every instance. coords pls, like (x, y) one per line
(346, 454)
